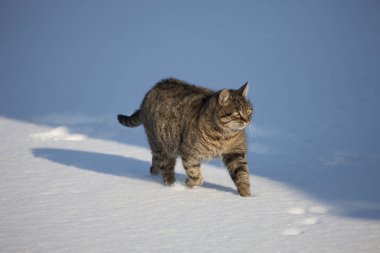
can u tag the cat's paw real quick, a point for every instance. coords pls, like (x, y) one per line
(194, 182)
(245, 192)
(168, 184)
(169, 179)
(154, 170)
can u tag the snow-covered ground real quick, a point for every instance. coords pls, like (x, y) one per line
(68, 192)
(73, 180)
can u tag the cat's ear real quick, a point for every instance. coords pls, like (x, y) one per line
(224, 95)
(244, 90)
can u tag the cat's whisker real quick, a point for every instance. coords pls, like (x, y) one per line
(250, 130)
(253, 126)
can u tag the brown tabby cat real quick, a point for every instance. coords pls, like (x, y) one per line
(197, 124)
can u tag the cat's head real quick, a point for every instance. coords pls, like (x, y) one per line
(234, 111)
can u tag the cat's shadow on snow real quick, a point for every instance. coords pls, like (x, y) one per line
(111, 164)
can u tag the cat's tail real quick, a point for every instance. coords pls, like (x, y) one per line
(130, 121)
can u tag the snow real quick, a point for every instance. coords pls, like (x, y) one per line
(68, 194)
(58, 133)
(74, 180)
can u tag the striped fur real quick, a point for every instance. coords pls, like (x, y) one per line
(196, 124)
(130, 121)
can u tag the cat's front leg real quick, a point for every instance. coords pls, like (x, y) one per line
(238, 169)
(193, 172)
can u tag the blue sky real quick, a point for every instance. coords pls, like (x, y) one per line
(313, 66)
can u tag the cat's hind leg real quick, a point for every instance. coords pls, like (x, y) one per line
(165, 164)
(193, 172)
(155, 170)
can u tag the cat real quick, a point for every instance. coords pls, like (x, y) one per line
(197, 124)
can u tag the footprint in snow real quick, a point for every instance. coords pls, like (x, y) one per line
(315, 211)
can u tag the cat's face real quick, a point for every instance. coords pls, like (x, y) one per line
(235, 111)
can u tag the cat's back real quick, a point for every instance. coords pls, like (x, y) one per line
(177, 89)
(173, 93)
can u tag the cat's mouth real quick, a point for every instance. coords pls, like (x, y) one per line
(238, 128)
(235, 126)
(242, 125)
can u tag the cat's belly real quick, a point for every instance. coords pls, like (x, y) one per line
(207, 149)
(202, 151)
